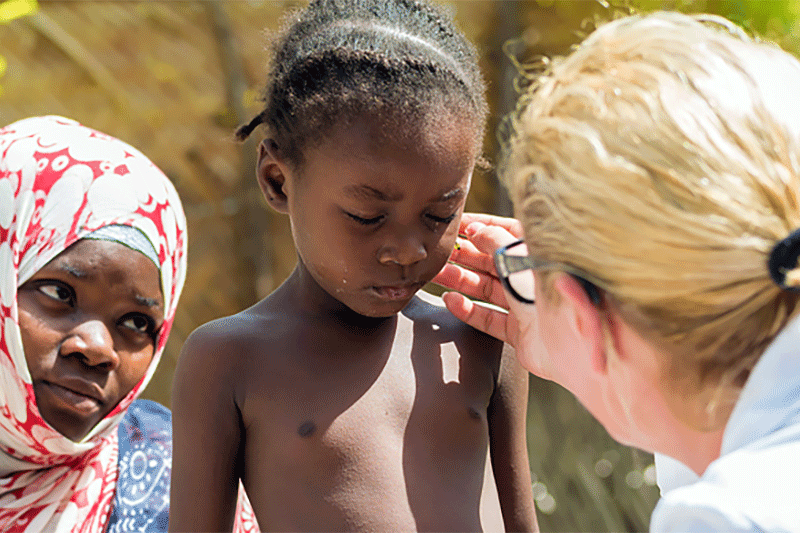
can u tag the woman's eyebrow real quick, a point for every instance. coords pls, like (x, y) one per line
(149, 302)
(71, 269)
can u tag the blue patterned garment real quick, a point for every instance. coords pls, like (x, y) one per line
(141, 502)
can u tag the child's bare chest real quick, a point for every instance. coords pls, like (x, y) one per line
(349, 431)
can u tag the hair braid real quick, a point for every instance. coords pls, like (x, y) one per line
(338, 59)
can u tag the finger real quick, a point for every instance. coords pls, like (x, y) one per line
(454, 277)
(490, 321)
(474, 284)
(469, 256)
(487, 239)
(512, 225)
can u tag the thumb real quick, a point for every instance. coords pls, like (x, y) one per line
(489, 319)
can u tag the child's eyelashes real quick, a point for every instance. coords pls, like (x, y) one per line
(365, 221)
(372, 221)
(442, 220)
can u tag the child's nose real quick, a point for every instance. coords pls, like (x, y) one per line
(405, 251)
(92, 342)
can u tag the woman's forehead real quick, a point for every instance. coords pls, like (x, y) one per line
(95, 261)
(128, 236)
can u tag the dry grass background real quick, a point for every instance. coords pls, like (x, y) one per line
(174, 78)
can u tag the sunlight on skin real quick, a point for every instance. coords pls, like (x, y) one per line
(451, 366)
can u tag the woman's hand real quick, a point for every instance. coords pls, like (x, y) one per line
(471, 271)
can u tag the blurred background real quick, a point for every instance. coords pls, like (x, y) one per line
(174, 79)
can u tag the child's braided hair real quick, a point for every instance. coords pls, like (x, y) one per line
(339, 59)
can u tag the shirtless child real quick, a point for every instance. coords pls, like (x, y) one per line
(346, 399)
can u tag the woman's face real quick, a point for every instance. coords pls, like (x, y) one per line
(89, 321)
(610, 368)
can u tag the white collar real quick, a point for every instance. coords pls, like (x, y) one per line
(771, 396)
(769, 400)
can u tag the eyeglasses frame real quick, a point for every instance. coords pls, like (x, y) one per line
(511, 264)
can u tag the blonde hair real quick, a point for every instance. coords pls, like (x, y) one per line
(661, 160)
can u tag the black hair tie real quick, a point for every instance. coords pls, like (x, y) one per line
(783, 258)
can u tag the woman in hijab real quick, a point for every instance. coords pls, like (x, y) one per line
(93, 260)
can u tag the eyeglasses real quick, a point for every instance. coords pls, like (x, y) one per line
(515, 269)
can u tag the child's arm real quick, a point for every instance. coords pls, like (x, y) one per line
(508, 444)
(206, 431)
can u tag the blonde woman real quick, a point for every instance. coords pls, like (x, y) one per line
(655, 175)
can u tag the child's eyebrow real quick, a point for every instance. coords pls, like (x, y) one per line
(456, 193)
(365, 192)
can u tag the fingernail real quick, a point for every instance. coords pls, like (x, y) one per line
(473, 228)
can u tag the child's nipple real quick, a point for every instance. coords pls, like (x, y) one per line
(307, 429)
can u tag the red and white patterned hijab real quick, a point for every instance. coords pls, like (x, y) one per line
(59, 181)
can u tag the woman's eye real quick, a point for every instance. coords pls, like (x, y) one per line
(442, 220)
(139, 323)
(365, 221)
(56, 292)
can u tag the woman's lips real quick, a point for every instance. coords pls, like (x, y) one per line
(74, 399)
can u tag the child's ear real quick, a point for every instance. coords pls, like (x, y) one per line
(271, 172)
(586, 320)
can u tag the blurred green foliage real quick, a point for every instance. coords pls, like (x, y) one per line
(10, 10)
(14, 9)
(772, 20)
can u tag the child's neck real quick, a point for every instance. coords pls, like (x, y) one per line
(315, 302)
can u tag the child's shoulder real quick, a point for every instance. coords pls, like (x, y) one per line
(248, 325)
(251, 332)
(429, 309)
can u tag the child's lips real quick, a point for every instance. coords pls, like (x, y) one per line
(397, 292)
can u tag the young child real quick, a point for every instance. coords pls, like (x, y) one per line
(346, 400)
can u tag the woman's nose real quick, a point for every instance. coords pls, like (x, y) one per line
(93, 343)
(405, 251)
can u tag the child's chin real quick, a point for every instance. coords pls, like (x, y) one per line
(380, 310)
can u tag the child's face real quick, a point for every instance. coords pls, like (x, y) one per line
(89, 320)
(374, 219)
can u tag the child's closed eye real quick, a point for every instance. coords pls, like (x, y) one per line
(365, 221)
(371, 221)
(442, 220)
